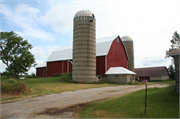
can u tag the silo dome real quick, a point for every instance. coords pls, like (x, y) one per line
(84, 47)
(128, 42)
(126, 38)
(83, 13)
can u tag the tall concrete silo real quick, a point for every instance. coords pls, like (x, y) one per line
(84, 47)
(128, 42)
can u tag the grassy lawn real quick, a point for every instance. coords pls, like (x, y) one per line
(50, 85)
(161, 103)
(161, 82)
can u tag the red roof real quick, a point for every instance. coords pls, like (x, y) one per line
(151, 72)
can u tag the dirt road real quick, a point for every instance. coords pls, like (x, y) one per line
(65, 104)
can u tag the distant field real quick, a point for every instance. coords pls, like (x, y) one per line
(161, 103)
(49, 85)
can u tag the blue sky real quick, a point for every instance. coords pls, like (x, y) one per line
(48, 24)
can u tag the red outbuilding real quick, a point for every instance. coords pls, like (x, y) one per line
(110, 52)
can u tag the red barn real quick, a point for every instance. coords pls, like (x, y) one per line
(41, 70)
(110, 52)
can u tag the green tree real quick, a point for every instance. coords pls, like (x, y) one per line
(175, 43)
(171, 71)
(15, 53)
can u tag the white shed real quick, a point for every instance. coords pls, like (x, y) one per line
(120, 75)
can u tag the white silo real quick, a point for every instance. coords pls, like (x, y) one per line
(84, 47)
(128, 42)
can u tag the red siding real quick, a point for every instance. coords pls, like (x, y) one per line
(58, 67)
(65, 66)
(100, 65)
(41, 72)
(117, 56)
(70, 66)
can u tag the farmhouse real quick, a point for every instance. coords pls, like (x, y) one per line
(152, 73)
(110, 52)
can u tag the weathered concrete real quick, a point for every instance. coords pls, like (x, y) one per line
(33, 107)
(84, 47)
(130, 52)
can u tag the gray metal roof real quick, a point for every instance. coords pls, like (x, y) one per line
(83, 13)
(65, 53)
(126, 38)
(41, 65)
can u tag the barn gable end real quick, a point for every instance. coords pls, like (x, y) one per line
(117, 56)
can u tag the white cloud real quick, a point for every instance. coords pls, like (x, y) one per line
(23, 9)
(39, 53)
(50, 49)
(26, 18)
(2, 66)
(42, 53)
(59, 17)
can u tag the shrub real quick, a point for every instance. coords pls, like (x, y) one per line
(130, 83)
(56, 75)
(12, 81)
(4, 77)
(14, 88)
(67, 77)
(137, 83)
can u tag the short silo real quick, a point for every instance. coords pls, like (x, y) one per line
(84, 47)
(128, 42)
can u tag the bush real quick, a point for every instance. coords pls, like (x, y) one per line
(14, 88)
(67, 77)
(137, 83)
(130, 83)
(56, 75)
(4, 77)
(12, 81)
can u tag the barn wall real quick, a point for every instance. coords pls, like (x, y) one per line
(117, 56)
(165, 77)
(58, 67)
(41, 72)
(100, 65)
(155, 78)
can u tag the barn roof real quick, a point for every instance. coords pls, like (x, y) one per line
(151, 71)
(65, 53)
(41, 65)
(118, 70)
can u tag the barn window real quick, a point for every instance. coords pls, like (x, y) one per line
(117, 75)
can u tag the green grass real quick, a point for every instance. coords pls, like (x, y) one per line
(161, 103)
(169, 81)
(45, 86)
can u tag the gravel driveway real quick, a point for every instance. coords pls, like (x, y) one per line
(65, 104)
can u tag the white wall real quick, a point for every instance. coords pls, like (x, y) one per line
(121, 79)
(159, 78)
